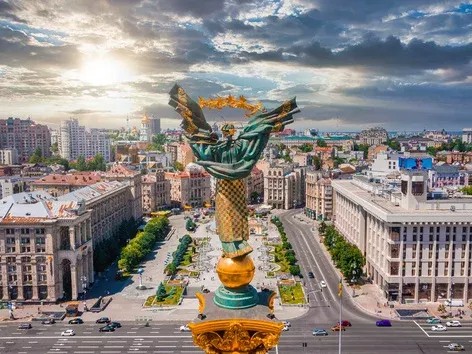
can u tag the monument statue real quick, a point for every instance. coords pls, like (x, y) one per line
(230, 159)
(236, 321)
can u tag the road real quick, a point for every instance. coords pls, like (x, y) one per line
(164, 336)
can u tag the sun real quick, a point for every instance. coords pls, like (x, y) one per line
(104, 71)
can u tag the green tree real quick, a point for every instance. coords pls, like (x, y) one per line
(54, 148)
(37, 156)
(317, 162)
(321, 143)
(158, 142)
(97, 163)
(467, 190)
(178, 166)
(161, 293)
(394, 144)
(294, 270)
(431, 150)
(306, 147)
(81, 164)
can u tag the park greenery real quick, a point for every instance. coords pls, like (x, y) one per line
(467, 190)
(96, 163)
(292, 294)
(158, 142)
(107, 250)
(284, 253)
(178, 255)
(346, 256)
(190, 225)
(143, 243)
(166, 295)
(38, 158)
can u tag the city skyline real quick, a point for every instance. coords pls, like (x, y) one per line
(403, 66)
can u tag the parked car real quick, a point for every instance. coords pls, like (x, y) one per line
(77, 320)
(323, 284)
(319, 332)
(68, 332)
(453, 324)
(345, 323)
(439, 327)
(337, 328)
(115, 324)
(287, 323)
(433, 320)
(25, 326)
(107, 328)
(103, 320)
(184, 328)
(383, 323)
(455, 347)
(48, 321)
(311, 275)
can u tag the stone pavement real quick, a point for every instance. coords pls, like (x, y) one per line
(127, 300)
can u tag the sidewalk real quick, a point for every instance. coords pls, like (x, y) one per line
(369, 297)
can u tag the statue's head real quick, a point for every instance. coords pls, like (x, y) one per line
(228, 130)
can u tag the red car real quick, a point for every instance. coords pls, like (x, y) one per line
(344, 323)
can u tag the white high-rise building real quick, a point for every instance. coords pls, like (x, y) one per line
(74, 141)
(467, 135)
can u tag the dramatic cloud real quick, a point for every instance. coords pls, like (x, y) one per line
(351, 64)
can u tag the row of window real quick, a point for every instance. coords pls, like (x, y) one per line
(27, 278)
(40, 240)
(25, 231)
(26, 249)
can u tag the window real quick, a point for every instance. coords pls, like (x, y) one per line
(42, 277)
(25, 240)
(11, 249)
(10, 231)
(40, 249)
(10, 240)
(41, 267)
(40, 231)
(25, 231)
(11, 259)
(27, 268)
(27, 278)
(25, 249)
(12, 278)
(40, 240)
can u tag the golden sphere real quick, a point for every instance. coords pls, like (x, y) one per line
(235, 272)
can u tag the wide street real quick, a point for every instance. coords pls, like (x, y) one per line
(165, 337)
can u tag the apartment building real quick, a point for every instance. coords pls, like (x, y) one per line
(12, 185)
(254, 183)
(467, 135)
(284, 186)
(156, 192)
(75, 140)
(46, 249)
(58, 184)
(8, 157)
(190, 187)
(25, 136)
(416, 249)
(373, 136)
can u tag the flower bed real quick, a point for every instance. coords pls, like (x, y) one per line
(292, 294)
(172, 300)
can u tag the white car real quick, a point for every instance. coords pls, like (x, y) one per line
(285, 328)
(184, 328)
(323, 284)
(439, 327)
(453, 324)
(68, 332)
(287, 323)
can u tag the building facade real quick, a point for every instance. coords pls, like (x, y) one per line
(373, 136)
(12, 185)
(284, 186)
(58, 184)
(8, 157)
(46, 249)
(156, 192)
(190, 187)
(416, 250)
(255, 185)
(74, 141)
(467, 135)
(312, 177)
(25, 136)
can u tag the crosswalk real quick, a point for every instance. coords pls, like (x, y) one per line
(452, 332)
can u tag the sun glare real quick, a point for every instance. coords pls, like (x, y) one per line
(104, 71)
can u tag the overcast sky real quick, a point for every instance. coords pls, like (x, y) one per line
(353, 64)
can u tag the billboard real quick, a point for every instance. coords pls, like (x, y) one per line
(415, 163)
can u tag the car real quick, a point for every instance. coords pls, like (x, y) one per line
(453, 324)
(345, 323)
(311, 275)
(48, 321)
(287, 323)
(68, 332)
(25, 326)
(103, 320)
(337, 328)
(107, 328)
(319, 332)
(433, 320)
(323, 284)
(439, 327)
(383, 323)
(184, 328)
(285, 328)
(455, 347)
(115, 324)
(77, 320)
